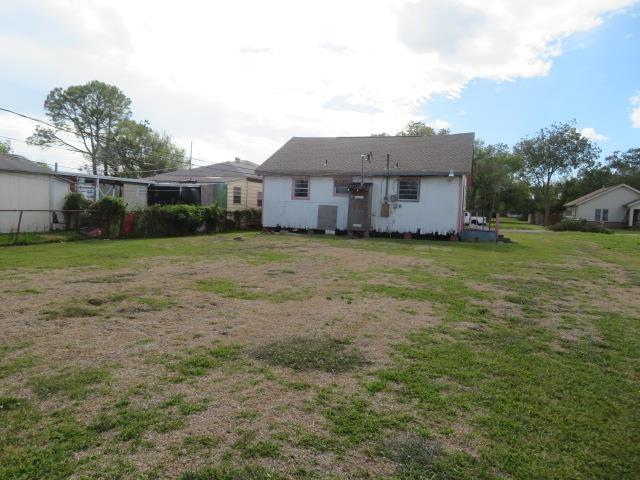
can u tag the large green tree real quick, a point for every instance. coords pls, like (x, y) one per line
(421, 129)
(497, 180)
(553, 152)
(135, 150)
(82, 119)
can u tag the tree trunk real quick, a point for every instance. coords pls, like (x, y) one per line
(547, 209)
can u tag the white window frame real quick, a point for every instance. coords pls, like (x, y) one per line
(233, 195)
(294, 180)
(417, 181)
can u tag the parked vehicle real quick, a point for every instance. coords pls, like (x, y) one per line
(472, 220)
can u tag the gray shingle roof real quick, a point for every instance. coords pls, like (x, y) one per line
(433, 155)
(597, 193)
(18, 163)
(216, 172)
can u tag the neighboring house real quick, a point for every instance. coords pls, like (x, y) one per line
(615, 206)
(94, 187)
(314, 183)
(232, 185)
(25, 185)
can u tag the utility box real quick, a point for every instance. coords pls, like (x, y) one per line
(359, 213)
(384, 210)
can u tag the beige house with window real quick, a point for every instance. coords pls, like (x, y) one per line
(233, 185)
(615, 206)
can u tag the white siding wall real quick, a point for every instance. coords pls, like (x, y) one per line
(30, 192)
(614, 201)
(437, 211)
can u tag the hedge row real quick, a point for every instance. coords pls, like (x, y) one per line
(111, 216)
(579, 225)
(172, 220)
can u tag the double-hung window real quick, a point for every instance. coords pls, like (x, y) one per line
(409, 190)
(598, 214)
(259, 199)
(300, 188)
(605, 214)
(237, 195)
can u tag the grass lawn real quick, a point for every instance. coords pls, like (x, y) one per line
(507, 223)
(310, 357)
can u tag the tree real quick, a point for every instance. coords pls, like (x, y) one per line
(89, 112)
(497, 184)
(135, 150)
(420, 129)
(556, 150)
(5, 147)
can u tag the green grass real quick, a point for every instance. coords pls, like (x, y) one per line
(230, 289)
(311, 353)
(507, 223)
(72, 383)
(36, 238)
(199, 361)
(528, 366)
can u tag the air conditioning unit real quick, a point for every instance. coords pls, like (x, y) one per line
(393, 198)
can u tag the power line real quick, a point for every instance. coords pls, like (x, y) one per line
(34, 119)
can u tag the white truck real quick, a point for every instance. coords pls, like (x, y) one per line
(471, 220)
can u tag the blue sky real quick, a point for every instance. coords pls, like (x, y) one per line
(242, 78)
(591, 82)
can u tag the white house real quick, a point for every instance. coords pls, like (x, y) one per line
(410, 184)
(618, 206)
(25, 185)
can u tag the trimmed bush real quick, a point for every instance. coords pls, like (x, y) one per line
(579, 225)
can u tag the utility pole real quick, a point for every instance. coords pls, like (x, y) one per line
(190, 154)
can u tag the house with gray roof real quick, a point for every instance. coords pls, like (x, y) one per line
(33, 189)
(233, 185)
(387, 184)
(618, 205)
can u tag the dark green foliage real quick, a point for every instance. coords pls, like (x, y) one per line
(312, 353)
(75, 201)
(579, 225)
(181, 219)
(109, 212)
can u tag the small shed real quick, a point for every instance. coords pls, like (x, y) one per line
(27, 186)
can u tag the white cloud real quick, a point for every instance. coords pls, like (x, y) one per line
(591, 134)
(635, 110)
(239, 78)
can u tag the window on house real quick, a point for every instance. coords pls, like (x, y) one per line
(409, 190)
(341, 186)
(605, 214)
(237, 195)
(598, 215)
(259, 199)
(301, 188)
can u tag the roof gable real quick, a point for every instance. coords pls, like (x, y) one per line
(598, 193)
(431, 155)
(18, 163)
(216, 172)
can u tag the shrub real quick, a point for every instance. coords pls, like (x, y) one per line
(579, 225)
(109, 212)
(74, 201)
